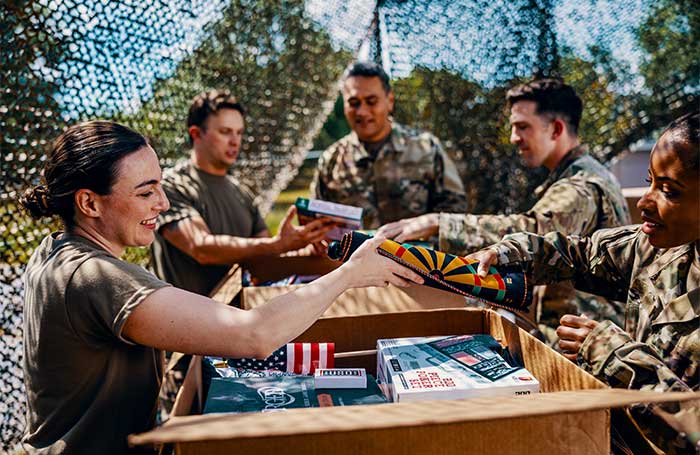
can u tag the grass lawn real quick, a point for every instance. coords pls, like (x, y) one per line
(279, 208)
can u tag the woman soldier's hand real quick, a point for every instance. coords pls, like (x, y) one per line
(367, 267)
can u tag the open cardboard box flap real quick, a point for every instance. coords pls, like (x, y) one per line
(354, 418)
(369, 300)
(353, 301)
(573, 417)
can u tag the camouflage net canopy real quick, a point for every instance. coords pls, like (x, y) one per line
(635, 63)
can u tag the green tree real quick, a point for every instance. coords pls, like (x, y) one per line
(335, 126)
(670, 65)
(29, 116)
(281, 65)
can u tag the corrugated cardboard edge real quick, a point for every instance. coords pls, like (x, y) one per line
(273, 268)
(229, 286)
(370, 300)
(356, 418)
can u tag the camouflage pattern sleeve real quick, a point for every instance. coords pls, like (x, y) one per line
(462, 234)
(613, 356)
(448, 191)
(569, 206)
(600, 264)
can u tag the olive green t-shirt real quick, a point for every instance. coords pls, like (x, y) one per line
(225, 207)
(88, 387)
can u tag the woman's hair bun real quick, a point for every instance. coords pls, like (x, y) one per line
(37, 201)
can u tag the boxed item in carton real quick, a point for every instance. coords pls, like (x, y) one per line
(572, 415)
(347, 218)
(340, 378)
(443, 368)
(282, 393)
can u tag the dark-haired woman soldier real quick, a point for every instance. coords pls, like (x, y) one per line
(95, 325)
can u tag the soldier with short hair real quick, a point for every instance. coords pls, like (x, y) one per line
(579, 196)
(655, 268)
(213, 221)
(389, 170)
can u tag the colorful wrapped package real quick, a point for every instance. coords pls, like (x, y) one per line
(506, 287)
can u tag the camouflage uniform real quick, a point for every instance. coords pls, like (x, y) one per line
(660, 347)
(410, 175)
(579, 197)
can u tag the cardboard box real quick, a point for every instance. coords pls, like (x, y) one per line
(572, 416)
(269, 269)
(371, 300)
(353, 301)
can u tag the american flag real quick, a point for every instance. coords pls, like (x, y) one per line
(298, 358)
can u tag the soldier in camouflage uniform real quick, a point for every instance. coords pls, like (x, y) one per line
(579, 196)
(392, 172)
(655, 267)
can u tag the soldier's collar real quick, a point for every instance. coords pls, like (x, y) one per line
(396, 141)
(571, 156)
(667, 257)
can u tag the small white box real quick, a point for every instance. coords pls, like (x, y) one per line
(340, 378)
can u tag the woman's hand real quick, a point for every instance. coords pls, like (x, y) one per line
(366, 267)
(572, 332)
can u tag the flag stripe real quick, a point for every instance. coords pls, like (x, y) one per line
(330, 355)
(322, 359)
(306, 358)
(290, 358)
(298, 358)
(314, 357)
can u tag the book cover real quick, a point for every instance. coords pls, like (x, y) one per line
(347, 217)
(448, 367)
(267, 394)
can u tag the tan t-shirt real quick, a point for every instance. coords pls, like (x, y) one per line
(88, 388)
(225, 207)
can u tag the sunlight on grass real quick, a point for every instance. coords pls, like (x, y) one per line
(279, 209)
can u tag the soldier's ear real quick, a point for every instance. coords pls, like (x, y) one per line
(195, 132)
(559, 128)
(391, 101)
(87, 203)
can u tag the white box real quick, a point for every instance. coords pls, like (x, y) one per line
(448, 367)
(340, 378)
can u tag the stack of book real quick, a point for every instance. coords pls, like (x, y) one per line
(448, 367)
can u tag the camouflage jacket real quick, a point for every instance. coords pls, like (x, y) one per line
(579, 196)
(659, 348)
(410, 175)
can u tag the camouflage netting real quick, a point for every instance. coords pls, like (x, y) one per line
(636, 64)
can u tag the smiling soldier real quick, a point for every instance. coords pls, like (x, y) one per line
(578, 197)
(392, 172)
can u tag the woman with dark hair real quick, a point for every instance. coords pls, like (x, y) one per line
(96, 326)
(655, 267)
